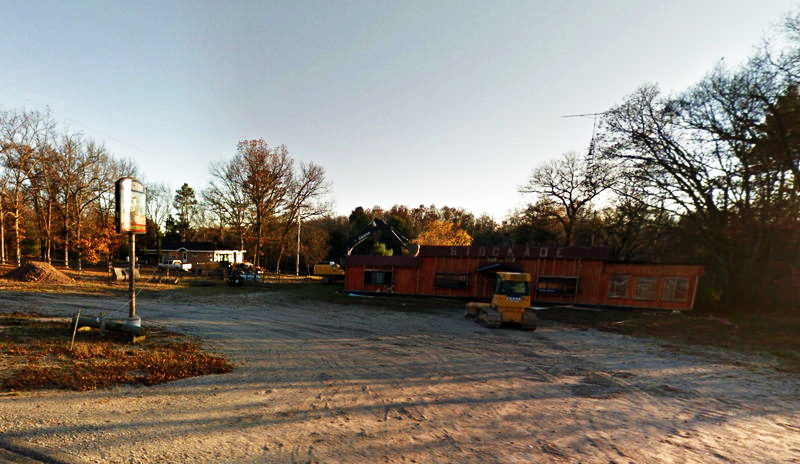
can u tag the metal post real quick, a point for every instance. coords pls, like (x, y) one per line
(132, 275)
(75, 329)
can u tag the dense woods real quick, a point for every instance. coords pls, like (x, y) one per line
(710, 175)
(55, 193)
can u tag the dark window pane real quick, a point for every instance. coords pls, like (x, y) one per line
(557, 285)
(458, 281)
(378, 277)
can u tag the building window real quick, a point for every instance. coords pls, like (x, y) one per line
(675, 289)
(378, 277)
(457, 281)
(619, 286)
(557, 286)
(646, 288)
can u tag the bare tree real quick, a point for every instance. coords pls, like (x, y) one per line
(572, 182)
(22, 135)
(81, 173)
(266, 175)
(91, 182)
(305, 200)
(722, 157)
(159, 198)
(314, 245)
(226, 197)
(52, 177)
(42, 199)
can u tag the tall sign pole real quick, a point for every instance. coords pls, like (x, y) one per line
(130, 219)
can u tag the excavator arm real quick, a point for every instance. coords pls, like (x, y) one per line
(378, 225)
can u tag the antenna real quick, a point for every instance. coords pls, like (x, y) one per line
(590, 155)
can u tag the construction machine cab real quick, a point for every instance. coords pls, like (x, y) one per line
(514, 284)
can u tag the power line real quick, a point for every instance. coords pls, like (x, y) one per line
(584, 115)
(63, 116)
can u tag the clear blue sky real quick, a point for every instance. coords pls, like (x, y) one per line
(417, 102)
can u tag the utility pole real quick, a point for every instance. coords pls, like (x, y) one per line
(297, 260)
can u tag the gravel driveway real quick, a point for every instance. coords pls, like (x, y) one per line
(317, 382)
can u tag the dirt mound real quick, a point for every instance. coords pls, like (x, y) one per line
(38, 272)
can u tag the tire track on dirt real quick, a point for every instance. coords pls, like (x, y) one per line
(586, 422)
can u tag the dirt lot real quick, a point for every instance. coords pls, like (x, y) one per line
(366, 382)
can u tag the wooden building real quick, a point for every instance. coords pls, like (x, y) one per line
(560, 275)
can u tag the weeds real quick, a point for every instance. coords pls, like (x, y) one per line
(40, 357)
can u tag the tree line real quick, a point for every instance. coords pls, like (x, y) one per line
(254, 201)
(718, 166)
(57, 197)
(55, 194)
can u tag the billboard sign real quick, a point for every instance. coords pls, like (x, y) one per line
(130, 199)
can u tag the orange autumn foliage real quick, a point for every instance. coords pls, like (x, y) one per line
(443, 233)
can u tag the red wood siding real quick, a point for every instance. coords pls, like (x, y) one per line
(657, 271)
(417, 276)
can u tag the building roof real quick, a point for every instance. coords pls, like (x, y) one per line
(374, 260)
(194, 246)
(490, 256)
(490, 267)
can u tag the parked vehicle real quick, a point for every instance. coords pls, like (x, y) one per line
(242, 274)
(175, 265)
(212, 268)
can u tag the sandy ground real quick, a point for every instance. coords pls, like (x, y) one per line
(353, 384)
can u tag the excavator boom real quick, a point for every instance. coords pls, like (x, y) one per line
(378, 225)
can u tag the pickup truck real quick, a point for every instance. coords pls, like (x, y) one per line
(175, 265)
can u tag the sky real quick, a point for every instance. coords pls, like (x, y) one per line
(402, 102)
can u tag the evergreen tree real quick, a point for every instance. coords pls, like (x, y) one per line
(185, 204)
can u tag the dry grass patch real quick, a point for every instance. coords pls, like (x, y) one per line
(35, 354)
(749, 334)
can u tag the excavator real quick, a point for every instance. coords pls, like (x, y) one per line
(332, 272)
(511, 302)
(379, 225)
